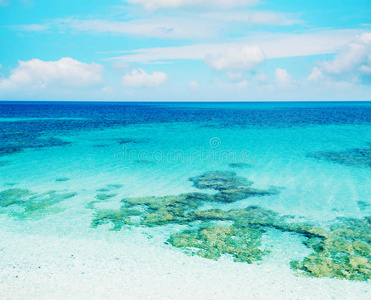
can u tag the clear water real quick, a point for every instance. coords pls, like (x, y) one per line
(133, 144)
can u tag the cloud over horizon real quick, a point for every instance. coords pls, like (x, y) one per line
(140, 78)
(36, 74)
(206, 4)
(236, 58)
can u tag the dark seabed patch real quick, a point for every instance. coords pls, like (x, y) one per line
(240, 165)
(358, 157)
(4, 163)
(124, 141)
(363, 205)
(23, 203)
(230, 186)
(110, 187)
(144, 161)
(340, 251)
(62, 179)
(18, 146)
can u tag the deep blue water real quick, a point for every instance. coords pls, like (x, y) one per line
(33, 120)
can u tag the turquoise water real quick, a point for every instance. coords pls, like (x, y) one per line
(316, 156)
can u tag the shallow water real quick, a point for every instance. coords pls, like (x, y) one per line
(136, 150)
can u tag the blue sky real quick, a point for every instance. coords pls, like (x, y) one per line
(179, 50)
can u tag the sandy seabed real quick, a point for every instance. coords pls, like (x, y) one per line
(35, 266)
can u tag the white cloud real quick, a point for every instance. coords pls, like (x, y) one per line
(30, 27)
(254, 17)
(236, 58)
(117, 65)
(315, 75)
(107, 90)
(352, 64)
(354, 59)
(193, 85)
(139, 78)
(164, 28)
(240, 85)
(156, 4)
(4, 3)
(261, 79)
(64, 73)
(273, 45)
(283, 78)
(234, 75)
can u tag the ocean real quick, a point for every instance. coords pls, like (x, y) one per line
(185, 200)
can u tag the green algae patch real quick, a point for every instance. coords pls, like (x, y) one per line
(214, 241)
(344, 253)
(342, 250)
(118, 218)
(168, 209)
(153, 211)
(33, 205)
(252, 215)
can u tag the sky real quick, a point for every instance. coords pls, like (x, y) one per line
(185, 50)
